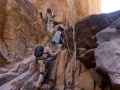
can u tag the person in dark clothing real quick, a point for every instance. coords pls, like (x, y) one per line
(57, 39)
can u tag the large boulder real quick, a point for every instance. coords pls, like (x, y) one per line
(107, 35)
(88, 59)
(107, 55)
(97, 78)
(87, 28)
(116, 24)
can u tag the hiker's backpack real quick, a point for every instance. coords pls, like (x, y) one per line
(38, 51)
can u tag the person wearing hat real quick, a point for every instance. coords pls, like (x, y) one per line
(41, 53)
(50, 20)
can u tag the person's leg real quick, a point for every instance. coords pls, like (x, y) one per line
(40, 79)
(42, 71)
(51, 27)
(48, 25)
(61, 42)
(53, 46)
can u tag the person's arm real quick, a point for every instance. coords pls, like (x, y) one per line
(53, 54)
(53, 15)
(46, 17)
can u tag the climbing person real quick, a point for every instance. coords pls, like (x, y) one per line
(57, 38)
(41, 53)
(50, 20)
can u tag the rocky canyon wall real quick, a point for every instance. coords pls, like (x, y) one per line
(22, 28)
(62, 8)
(87, 28)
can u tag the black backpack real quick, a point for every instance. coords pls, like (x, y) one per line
(38, 51)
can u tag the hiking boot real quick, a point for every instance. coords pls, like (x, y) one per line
(53, 42)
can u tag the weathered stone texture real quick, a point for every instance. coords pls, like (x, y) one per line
(87, 28)
(62, 8)
(20, 28)
(107, 54)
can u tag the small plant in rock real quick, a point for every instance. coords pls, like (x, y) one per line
(42, 89)
(83, 88)
(55, 88)
(72, 46)
(70, 49)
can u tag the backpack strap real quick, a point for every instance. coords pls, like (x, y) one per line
(39, 59)
(52, 14)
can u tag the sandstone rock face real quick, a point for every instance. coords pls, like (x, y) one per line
(23, 75)
(20, 27)
(85, 80)
(62, 8)
(2, 16)
(69, 74)
(61, 70)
